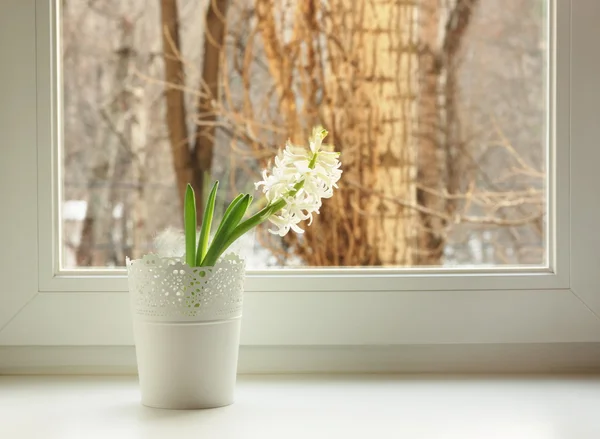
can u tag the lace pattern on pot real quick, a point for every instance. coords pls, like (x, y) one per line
(167, 288)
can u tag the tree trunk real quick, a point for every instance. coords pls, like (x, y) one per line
(385, 40)
(97, 246)
(441, 154)
(457, 23)
(176, 116)
(214, 39)
(430, 232)
(138, 211)
(366, 99)
(192, 156)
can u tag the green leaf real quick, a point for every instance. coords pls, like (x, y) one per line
(206, 224)
(227, 226)
(252, 222)
(256, 219)
(233, 203)
(189, 223)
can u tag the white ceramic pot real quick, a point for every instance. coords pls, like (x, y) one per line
(186, 325)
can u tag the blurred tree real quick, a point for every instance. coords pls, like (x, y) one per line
(192, 155)
(97, 245)
(438, 107)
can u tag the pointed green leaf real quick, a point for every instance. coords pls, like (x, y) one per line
(233, 203)
(206, 224)
(189, 224)
(227, 226)
(244, 227)
(252, 222)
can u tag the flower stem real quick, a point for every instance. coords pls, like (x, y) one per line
(313, 161)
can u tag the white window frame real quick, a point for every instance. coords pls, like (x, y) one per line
(40, 306)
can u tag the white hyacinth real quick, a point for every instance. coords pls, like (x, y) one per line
(300, 179)
(298, 182)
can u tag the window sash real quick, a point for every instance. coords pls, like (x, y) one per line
(39, 306)
(554, 275)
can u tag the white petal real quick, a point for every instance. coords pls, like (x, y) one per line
(302, 166)
(296, 229)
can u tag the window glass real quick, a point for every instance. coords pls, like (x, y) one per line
(438, 107)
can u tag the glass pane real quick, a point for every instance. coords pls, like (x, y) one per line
(439, 108)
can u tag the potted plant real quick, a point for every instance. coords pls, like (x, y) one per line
(187, 305)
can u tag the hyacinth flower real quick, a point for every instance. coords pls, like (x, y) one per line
(294, 189)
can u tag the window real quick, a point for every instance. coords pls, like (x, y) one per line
(551, 298)
(445, 147)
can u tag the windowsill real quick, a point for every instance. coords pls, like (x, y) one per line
(309, 406)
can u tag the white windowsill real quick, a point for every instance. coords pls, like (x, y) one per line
(309, 406)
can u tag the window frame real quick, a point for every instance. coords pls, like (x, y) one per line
(41, 306)
(55, 279)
